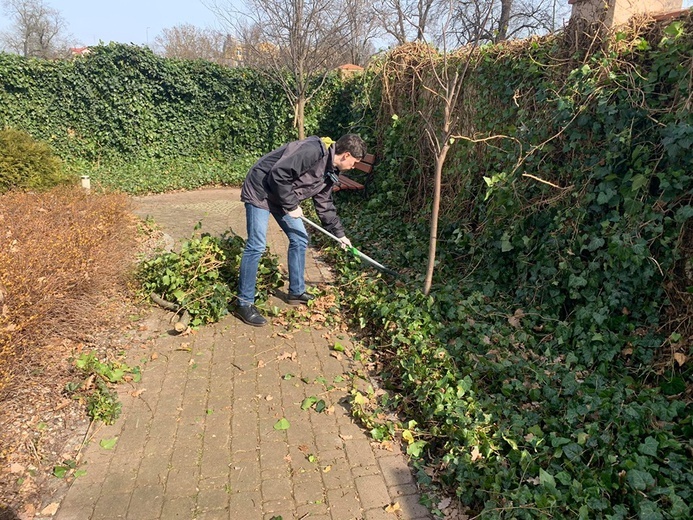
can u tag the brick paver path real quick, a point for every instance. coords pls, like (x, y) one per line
(196, 439)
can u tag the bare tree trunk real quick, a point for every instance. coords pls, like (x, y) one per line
(504, 20)
(433, 236)
(300, 116)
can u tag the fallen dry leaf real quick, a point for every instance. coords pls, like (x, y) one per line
(28, 513)
(476, 454)
(445, 503)
(287, 355)
(138, 393)
(17, 468)
(393, 508)
(386, 445)
(50, 509)
(680, 358)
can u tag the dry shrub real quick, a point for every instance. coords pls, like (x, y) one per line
(61, 252)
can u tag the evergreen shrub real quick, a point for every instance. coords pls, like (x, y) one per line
(26, 163)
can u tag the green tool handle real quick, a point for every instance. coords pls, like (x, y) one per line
(352, 249)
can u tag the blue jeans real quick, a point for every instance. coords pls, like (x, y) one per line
(257, 221)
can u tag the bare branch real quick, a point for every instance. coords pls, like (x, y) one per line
(296, 42)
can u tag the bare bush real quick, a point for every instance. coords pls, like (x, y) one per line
(61, 254)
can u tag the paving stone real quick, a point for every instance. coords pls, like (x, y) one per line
(213, 514)
(246, 505)
(343, 503)
(245, 472)
(411, 508)
(372, 491)
(359, 453)
(381, 514)
(153, 470)
(276, 489)
(146, 502)
(199, 441)
(182, 481)
(119, 483)
(111, 505)
(182, 508)
(313, 511)
(278, 508)
(404, 489)
(213, 498)
(78, 504)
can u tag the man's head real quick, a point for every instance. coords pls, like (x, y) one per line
(348, 150)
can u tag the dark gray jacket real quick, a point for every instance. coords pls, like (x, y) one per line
(284, 177)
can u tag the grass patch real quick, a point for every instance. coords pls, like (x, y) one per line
(144, 176)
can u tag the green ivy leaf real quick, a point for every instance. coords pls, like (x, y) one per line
(60, 471)
(416, 448)
(308, 402)
(649, 447)
(546, 479)
(648, 510)
(639, 479)
(638, 182)
(282, 424)
(108, 444)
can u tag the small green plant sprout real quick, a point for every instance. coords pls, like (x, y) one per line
(97, 377)
(62, 470)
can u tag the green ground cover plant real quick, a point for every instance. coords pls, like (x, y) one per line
(96, 385)
(202, 277)
(141, 123)
(142, 176)
(548, 375)
(549, 371)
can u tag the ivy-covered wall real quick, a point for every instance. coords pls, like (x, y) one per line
(124, 101)
(549, 372)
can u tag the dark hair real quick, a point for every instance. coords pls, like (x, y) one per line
(351, 143)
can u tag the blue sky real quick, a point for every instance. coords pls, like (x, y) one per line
(133, 21)
(126, 21)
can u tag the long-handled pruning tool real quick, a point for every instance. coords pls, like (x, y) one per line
(352, 250)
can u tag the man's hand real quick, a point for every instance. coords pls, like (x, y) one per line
(295, 213)
(345, 242)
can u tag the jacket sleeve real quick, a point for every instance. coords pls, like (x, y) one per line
(327, 212)
(289, 168)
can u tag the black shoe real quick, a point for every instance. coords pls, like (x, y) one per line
(250, 315)
(298, 299)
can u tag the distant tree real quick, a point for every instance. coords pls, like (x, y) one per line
(409, 20)
(360, 30)
(190, 42)
(37, 30)
(497, 20)
(296, 42)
